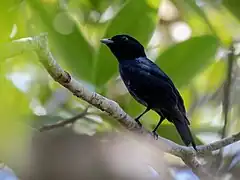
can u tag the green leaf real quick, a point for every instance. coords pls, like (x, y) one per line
(184, 60)
(14, 110)
(102, 5)
(189, 8)
(201, 13)
(71, 47)
(215, 75)
(135, 19)
(233, 6)
(8, 16)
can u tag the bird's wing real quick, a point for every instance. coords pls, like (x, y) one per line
(159, 73)
(154, 87)
(148, 86)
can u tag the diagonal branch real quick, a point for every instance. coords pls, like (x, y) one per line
(40, 44)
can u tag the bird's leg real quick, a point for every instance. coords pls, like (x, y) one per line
(137, 118)
(155, 129)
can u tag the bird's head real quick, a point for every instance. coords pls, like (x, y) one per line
(124, 47)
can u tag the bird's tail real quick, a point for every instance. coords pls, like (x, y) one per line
(185, 133)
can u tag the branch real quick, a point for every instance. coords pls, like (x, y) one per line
(226, 99)
(40, 45)
(63, 122)
(203, 149)
(227, 88)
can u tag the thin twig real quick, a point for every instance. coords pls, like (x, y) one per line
(227, 89)
(63, 122)
(219, 144)
(226, 98)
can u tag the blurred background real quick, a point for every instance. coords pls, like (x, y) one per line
(189, 39)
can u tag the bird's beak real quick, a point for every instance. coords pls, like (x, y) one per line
(106, 41)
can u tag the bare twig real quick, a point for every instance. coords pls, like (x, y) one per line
(219, 144)
(63, 122)
(227, 89)
(226, 98)
(40, 45)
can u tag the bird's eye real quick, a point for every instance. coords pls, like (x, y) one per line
(124, 38)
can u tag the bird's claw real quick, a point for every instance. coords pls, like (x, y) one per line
(155, 135)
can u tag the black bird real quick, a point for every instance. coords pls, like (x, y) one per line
(149, 85)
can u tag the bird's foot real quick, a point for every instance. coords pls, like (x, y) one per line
(155, 135)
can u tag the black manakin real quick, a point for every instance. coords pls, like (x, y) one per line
(149, 85)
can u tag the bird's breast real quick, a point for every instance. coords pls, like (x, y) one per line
(133, 85)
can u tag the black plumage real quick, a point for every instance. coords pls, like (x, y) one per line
(149, 85)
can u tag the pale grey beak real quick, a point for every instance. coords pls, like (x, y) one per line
(107, 41)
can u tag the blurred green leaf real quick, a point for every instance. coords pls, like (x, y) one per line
(134, 19)
(201, 13)
(184, 60)
(45, 92)
(215, 75)
(192, 12)
(220, 18)
(233, 6)
(72, 46)
(153, 3)
(102, 5)
(14, 111)
(187, 95)
(8, 15)
(131, 106)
